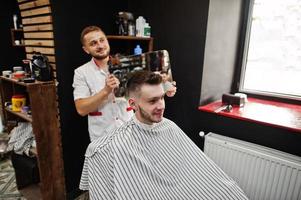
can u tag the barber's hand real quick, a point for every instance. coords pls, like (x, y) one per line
(111, 83)
(169, 87)
(171, 90)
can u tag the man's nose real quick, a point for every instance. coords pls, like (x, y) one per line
(161, 104)
(100, 44)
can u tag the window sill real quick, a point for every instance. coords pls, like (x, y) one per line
(271, 113)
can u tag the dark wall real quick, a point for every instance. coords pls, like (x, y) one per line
(69, 18)
(180, 28)
(180, 32)
(10, 56)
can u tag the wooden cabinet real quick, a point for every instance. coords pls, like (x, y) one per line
(41, 97)
(125, 44)
(17, 37)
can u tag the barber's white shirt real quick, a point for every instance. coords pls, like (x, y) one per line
(88, 80)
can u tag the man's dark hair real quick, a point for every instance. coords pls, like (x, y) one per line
(139, 78)
(87, 30)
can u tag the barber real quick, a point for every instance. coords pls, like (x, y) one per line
(94, 86)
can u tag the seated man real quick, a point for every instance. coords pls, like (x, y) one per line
(150, 157)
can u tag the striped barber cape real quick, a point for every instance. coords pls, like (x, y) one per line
(153, 162)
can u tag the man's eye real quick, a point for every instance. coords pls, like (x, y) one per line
(153, 101)
(93, 43)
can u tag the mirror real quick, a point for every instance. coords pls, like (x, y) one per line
(123, 66)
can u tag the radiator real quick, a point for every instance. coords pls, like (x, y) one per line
(261, 172)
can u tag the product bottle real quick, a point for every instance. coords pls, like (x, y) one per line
(140, 21)
(131, 29)
(15, 19)
(138, 50)
(147, 30)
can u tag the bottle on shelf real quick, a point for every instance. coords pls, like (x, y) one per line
(131, 29)
(137, 50)
(15, 19)
(140, 22)
(147, 30)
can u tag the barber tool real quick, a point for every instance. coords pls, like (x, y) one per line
(41, 68)
(230, 100)
(119, 72)
(233, 100)
(225, 108)
(122, 67)
(29, 80)
(125, 22)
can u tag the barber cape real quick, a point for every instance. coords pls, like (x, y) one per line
(153, 162)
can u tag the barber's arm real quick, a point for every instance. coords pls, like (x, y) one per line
(89, 104)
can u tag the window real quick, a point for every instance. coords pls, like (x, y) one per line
(272, 57)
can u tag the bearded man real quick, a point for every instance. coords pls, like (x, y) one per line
(150, 157)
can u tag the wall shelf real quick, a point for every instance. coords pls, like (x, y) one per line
(126, 44)
(17, 34)
(19, 114)
(123, 37)
(41, 98)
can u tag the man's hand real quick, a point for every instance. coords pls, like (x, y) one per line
(170, 88)
(111, 83)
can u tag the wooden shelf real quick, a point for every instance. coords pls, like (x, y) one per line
(16, 35)
(42, 98)
(148, 40)
(25, 84)
(19, 114)
(122, 37)
(19, 45)
(19, 29)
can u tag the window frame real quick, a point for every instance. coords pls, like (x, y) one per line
(246, 32)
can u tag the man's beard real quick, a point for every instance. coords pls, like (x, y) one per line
(146, 116)
(101, 57)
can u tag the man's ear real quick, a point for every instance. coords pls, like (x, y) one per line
(132, 103)
(85, 49)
